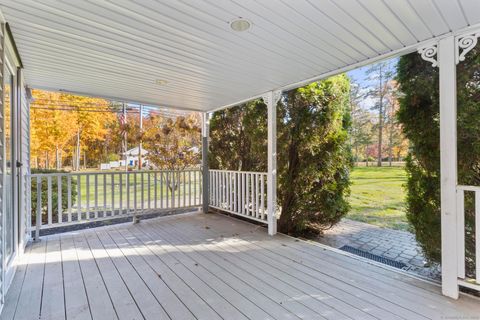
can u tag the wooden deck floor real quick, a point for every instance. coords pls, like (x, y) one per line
(209, 267)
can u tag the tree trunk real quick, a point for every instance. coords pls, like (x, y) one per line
(380, 120)
(57, 158)
(356, 153)
(77, 153)
(390, 141)
(286, 224)
(366, 157)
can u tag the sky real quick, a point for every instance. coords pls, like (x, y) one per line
(360, 76)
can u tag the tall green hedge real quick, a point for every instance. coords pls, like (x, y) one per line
(419, 116)
(314, 159)
(64, 203)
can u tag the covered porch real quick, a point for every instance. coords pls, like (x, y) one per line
(204, 56)
(197, 266)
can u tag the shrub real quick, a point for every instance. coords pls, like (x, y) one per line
(313, 155)
(64, 190)
(419, 116)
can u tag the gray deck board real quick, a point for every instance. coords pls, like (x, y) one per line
(198, 266)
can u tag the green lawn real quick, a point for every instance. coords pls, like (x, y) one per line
(377, 196)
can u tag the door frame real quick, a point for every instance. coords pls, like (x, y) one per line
(12, 64)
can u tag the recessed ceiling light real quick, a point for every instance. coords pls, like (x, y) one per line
(240, 25)
(161, 82)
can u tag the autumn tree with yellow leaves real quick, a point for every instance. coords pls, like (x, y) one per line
(67, 126)
(70, 130)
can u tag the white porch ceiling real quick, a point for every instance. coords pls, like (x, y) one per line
(120, 48)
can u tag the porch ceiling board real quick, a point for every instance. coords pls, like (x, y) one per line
(119, 49)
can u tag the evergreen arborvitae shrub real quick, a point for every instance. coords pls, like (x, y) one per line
(314, 159)
(419, 116)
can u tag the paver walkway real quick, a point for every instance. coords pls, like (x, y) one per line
(397, 245)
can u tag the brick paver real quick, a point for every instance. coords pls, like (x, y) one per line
(393, 244)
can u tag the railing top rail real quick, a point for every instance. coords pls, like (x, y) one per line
(56, 174)
(237, 171)
(468, 188)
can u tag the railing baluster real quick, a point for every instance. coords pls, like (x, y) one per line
(461, 233)
(178, 189)
(96, 195)
(87, 197)
(217, 186)
(167, 189)
(79, 197)
(142, 190)
(49, 199)
(220, 187)
(230, 190)
(213, 188)
(59, 199)
(161, 189)
(148, 191)
(257, 210)
(38, 220)
(189, 188)
(477, 236)
(135, 193)
(112, 186)
(235, 194)
(173, 189)
(155, 187)
(184, 188)
(210, 187)
(252, 194)
(225, 189)
(104, 195)
(248, 194)
(69, 199)
(262, 197)
(243, 193)
(127, 187)
(120, 193)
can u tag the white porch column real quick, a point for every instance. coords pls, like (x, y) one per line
(444, 55)
(448, 167)
(271, 98)
(205, 175)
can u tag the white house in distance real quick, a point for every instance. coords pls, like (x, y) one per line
(132, 156)
(205, 56)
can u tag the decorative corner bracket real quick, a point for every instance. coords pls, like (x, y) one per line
(464, 44)
(276, 95)
(429, 53)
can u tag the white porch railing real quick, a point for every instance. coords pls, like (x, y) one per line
(69, 198)
(239, 192)
(463, 280)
